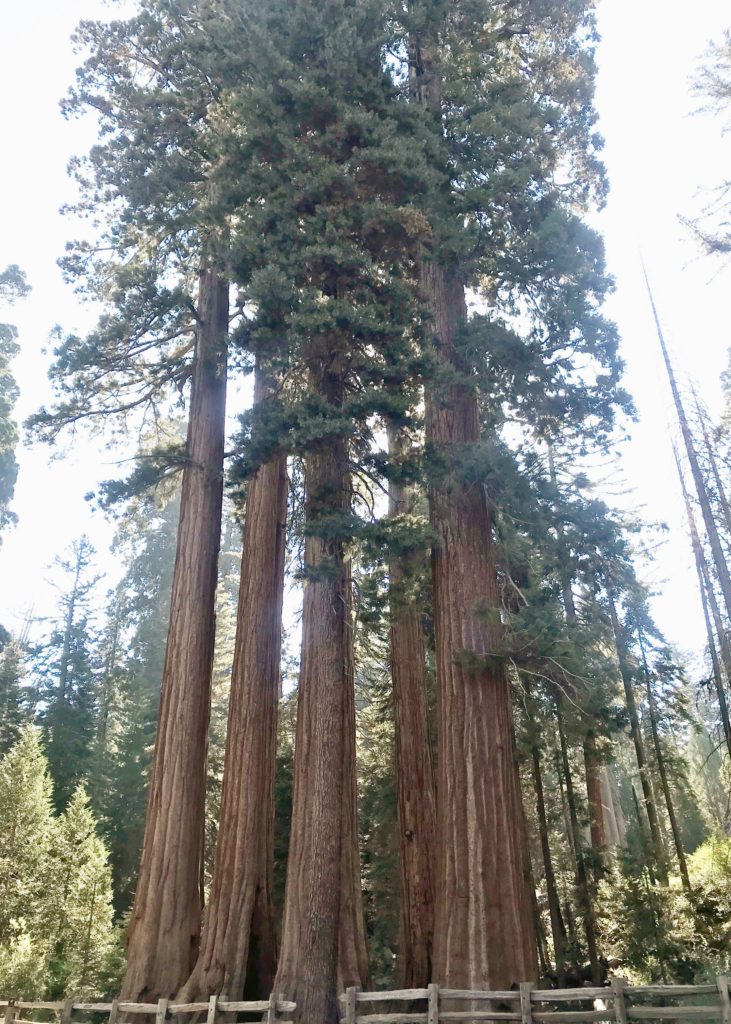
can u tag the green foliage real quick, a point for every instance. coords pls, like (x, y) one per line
(650, 929)
(65, 671)
(56, 933)
(14, 710)
(12, 286)
(26, 835)
(84, 939)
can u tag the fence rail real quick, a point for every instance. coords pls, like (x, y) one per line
(618, 1002)
(11, 1010)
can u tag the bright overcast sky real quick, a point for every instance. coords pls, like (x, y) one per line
(660, 159)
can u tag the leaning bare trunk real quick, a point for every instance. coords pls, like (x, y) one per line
(483, 928)
(708, 600)
(162, 940)
(239, 936)
(308, 961)
(719, 558)
(413, 768)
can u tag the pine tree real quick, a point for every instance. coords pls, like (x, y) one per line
(146, 538)
(81, 921)
(13, 701)
(12, 286)
(26, 835)
(66, 677)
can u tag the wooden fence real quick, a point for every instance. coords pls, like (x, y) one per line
(618, 1003)
(270, 1010)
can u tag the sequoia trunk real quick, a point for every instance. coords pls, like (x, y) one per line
(239, 937)
(413, 764)
(308, 963)
(483, 928)
(162, 940)
(352, 949)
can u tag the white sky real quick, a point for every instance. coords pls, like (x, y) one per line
(659, 158)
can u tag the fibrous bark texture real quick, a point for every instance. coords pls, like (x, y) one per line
(413, 768)
(592, 769)
(352, 948)
(308, 964)
(162, 940)
(483, 929)
(615, 826)
(239, 934)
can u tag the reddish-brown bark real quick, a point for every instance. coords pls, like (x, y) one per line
(239, 934)
(308, 963)
(592, 769)
(483, 928)
(352, 948)
(413, 765)
(162, 940)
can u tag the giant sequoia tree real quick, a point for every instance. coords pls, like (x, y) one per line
(396, 196)
(161, 267)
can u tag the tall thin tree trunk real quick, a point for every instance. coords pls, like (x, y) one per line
(591, 759)
(708, 597)
(239, 935)
(308, 963)
(660, 758)
(582, 875)
(719, 558)
(483, 925)
(162, 941)
(723, 499)
(636, 731)
(558, 928)
(413, 768)
(645, 839)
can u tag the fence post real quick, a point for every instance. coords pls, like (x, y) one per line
(114, 1012)
(272, 1010)
(433, 1013)
(351, 1004)
(68, 1007)
(620, 1004)
(10, 1012)
(212, 1010)
(723, 985)
(526, 1009)
(162, 1011)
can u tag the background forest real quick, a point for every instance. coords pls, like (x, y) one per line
(368, 221)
